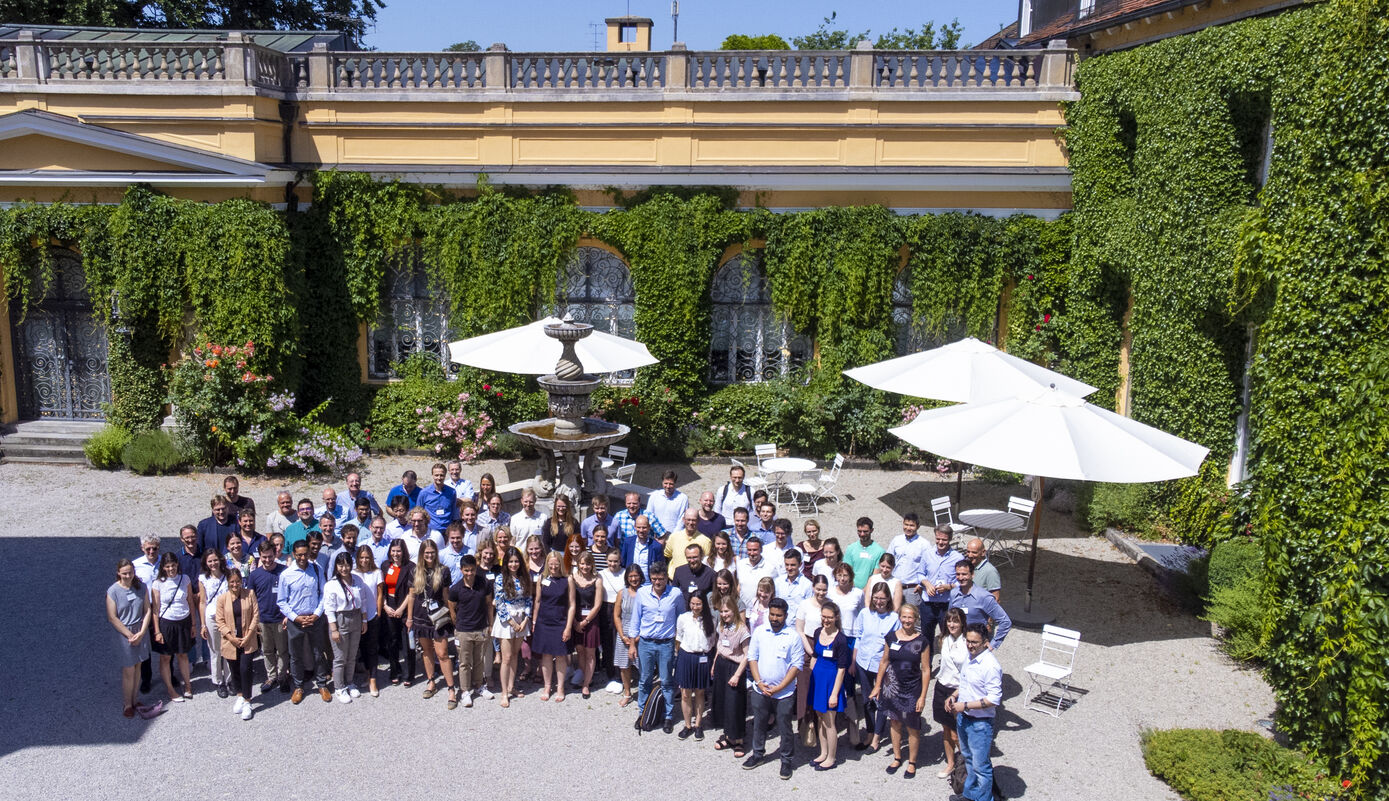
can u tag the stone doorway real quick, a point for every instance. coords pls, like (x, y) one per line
(61, 350)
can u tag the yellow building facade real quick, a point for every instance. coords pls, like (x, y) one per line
(85, 113)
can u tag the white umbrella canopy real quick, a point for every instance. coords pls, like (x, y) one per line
(1055, 434)
(963, 372)
(528, 351)
(1050, 433)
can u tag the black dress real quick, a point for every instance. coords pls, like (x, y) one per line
(426, 603)
(585, 597)
(553, 615)
(902, 684)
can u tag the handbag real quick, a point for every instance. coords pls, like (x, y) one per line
(957, 776)
(810, 737)
(439, 617)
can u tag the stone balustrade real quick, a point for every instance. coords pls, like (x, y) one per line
(236, 61)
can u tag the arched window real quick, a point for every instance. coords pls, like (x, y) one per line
(413, 320)
(596, 288)
(749, 343)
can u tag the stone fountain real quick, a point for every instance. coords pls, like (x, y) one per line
(568, 434)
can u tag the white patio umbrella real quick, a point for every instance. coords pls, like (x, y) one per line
(528, 351)
(1051, 433)
(963, 372)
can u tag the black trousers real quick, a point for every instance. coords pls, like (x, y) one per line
(730, 704)
(241, 679)
(369, 651)
(606, 635)
(398, 640)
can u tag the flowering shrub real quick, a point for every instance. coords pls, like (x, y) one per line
(465, 429)
(227, 410)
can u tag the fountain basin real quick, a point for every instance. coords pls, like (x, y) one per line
(554, 434)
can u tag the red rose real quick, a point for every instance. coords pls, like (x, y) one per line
(1029, 278)
(486, 387)
(1046, 318)
(1039, 328)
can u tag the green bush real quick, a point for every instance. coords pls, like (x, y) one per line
(1235, 600)
(1235, 561)
(153, 453)
(739, 416)
(1209, 765)
(104, 448)
(1126, 506)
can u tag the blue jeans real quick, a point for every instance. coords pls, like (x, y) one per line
(657, 658)
(976, 740)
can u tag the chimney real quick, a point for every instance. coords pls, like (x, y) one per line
(626, 34)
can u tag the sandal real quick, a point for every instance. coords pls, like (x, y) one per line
(896, 763)
(430, 690)
(626, 699)
(722, 744)
(739, 751)
(453, 698)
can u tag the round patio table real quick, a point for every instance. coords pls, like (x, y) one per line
(995, 525)
(776, 468)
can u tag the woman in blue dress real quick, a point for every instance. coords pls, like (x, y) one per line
(554, 624)
(829, 663)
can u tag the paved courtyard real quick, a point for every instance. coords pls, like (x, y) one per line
(1143, 663)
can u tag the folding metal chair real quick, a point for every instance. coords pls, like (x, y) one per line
(1051, 673)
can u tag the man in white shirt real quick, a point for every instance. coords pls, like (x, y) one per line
(733, 495)
(775, 658)
(146, 568)
(528, 521)
(751, 570)
(780, 546)
(355, 492)
(667, 504)
(399, 523)
(283, 516)
(975, 705)
(462, 487)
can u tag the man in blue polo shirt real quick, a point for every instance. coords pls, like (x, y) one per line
(439, 500)
(264, 580)
(653, 624)
(775, 658)
(407, 488)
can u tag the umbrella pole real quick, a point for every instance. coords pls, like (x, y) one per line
(959, 486)
(1029, 615)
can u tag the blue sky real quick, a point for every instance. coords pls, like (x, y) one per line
(531, 25)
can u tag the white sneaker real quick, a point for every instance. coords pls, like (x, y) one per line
(343, 697)
(467, 699)
(485, 693)
(353, 691)
(246, 712)
(236, 707)
(614, 687)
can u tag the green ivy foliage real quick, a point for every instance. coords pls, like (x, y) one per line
(1165, 148)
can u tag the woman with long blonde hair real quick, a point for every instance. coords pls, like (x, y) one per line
(427, 596)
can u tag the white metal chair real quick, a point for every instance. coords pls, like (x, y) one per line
(623, 474)
(829, 479)
(771, 482)
(1051, 673)
(1022, 507)
(805, 490)
(941, 511)
(766, 450)
(618, 454)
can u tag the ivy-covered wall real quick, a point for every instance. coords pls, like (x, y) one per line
(1168, 149)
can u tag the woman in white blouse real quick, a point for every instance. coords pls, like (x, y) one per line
(883, 575)
(694, 638)
(171, 599)
(211, 584)
(343, 599)
(953, 656)
(369, 651)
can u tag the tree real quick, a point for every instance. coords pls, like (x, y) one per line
(767, 41)
(823, 38)
(465, 46)
(348, 16)
(927, 38)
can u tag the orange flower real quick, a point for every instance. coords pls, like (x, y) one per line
(210, 363)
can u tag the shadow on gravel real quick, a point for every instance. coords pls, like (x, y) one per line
(62, 685)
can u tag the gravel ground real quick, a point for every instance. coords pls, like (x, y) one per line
(1143, 663)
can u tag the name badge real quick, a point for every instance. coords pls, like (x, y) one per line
(545, 583)
(585, 611)
(725, 643)
(895, 646)
(703, 660)
(694, 588)
(827, 652)
(660, 619)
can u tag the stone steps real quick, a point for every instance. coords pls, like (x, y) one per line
(46, 441)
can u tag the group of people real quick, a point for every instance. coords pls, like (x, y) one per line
(702, 615)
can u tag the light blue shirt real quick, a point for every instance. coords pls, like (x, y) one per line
(462, 488)
(342, 514)
(941, 570)
(777, 653)
(591, 522)
(980, 607)
(487, 523)
(654, 618)
(670, 510)
(981, 678)
(794, 591)
(351, 502)
(911, 555)
(873, 631)
(448, 557)
(379, 550)
(300, 592)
